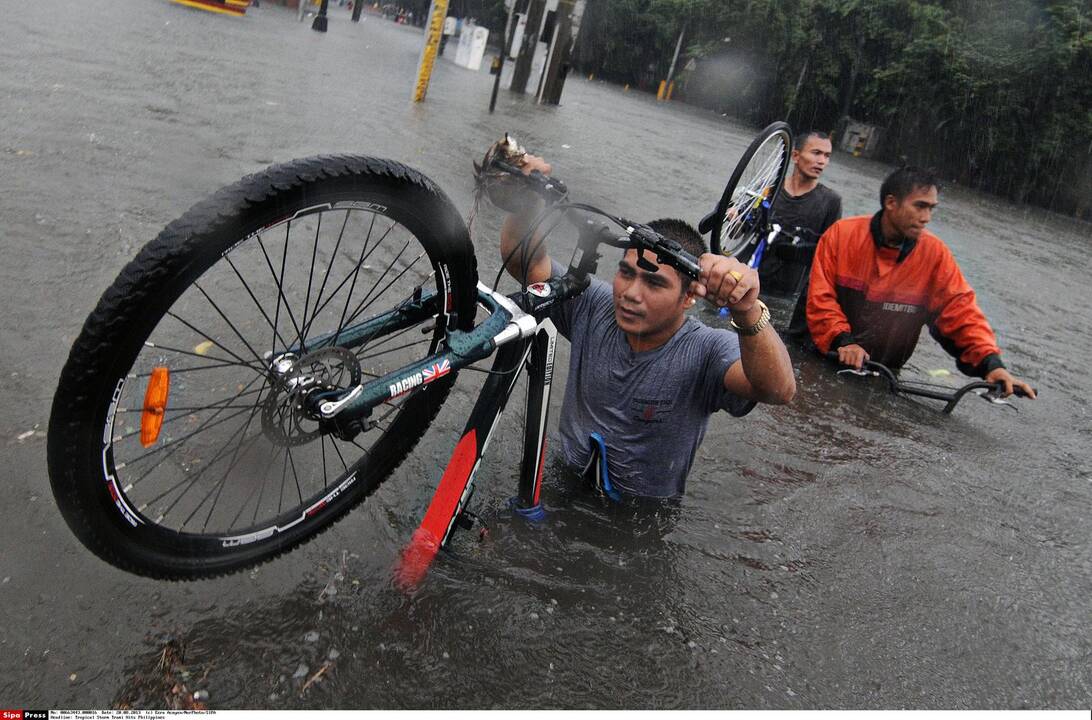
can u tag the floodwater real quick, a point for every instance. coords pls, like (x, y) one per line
(850, 550)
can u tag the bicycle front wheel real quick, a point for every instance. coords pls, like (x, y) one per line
(742, 215)
(179, 445)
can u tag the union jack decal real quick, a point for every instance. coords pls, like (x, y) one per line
(437, 371)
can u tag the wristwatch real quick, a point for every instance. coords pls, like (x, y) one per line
(759, 325)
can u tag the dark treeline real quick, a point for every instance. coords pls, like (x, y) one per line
(995, 94)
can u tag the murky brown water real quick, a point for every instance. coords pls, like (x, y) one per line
(849, 550)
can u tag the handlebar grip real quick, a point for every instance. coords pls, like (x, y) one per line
(547, 184)
(688, 263)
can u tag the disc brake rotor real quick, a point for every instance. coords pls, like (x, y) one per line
(285, 419)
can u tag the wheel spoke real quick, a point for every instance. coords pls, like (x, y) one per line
(208, 337)
(310, 277)
(364, 304)
(230, 324)
(356, 272)
(175, 444)
(223, 480)
(215, 406)
(280, 288)
(329, 267)
(190, 481)
(204, 356)
(257, 304)
(394, 349)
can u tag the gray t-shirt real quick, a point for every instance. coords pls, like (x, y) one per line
(652, 407)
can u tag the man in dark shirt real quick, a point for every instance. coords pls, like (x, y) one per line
(804, 208)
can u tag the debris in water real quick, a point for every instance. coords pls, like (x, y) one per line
(311, 637)
(333, 654)
(314, 678)
(203, 347)
(165, 684)
(301, 672)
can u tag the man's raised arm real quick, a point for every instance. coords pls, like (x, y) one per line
(515, 229)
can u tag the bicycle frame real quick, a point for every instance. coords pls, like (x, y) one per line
(534, 354)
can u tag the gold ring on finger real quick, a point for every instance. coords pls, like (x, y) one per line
(736, 274)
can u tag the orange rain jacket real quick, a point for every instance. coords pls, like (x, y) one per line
(880, 297)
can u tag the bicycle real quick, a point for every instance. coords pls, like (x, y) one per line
(741, 218)
(223, 405)
(990, 392)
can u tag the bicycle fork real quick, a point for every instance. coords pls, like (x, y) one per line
(457, 483)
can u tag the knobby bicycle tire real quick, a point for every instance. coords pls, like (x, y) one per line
(741, 215)
(185, 302)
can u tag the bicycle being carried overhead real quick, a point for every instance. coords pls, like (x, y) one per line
(266, 362)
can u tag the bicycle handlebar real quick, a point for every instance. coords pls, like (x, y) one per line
(637, 236)
(952, 398)
(795, 236)
(550, 188)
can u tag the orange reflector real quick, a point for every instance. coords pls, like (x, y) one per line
(155, 404)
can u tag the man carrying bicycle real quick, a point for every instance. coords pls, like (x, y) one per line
(644, 377)
(876, 281)
(804, 208)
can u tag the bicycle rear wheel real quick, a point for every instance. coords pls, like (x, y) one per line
(742, 215)
(178, 442)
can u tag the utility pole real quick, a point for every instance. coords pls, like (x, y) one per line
(506, 48)
(434, 28)
(674, 61)
(522, 72)
(320, 20)
(358, 6)
(569, 15)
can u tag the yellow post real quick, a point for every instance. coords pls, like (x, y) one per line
(434, 28)
(670, 89)
(660, 92)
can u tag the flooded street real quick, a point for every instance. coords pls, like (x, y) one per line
(850, 550)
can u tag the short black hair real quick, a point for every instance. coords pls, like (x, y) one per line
(801, 140)
(905, 180)
(684, 234)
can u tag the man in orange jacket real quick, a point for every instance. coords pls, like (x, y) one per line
(877, 280)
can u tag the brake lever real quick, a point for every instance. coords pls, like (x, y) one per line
(859, 372)
(993, 397)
